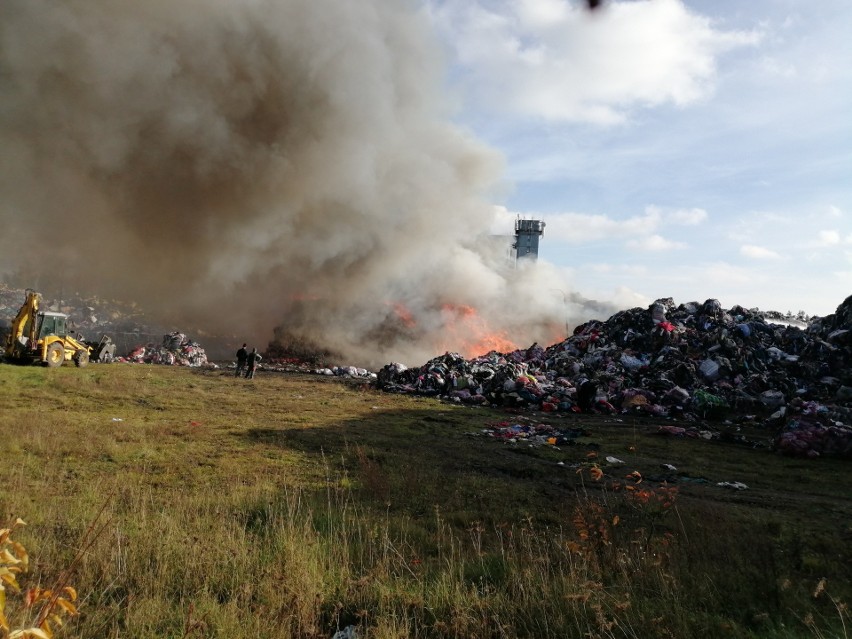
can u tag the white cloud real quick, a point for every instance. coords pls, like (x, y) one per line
(619, 269)
(538, 14)
(688, 217)
(670, 175)
(628, 298)
(728, 273)
(828, 238)
(654, 243)
(774, 67)
(578, 228)
(758, 252)
(639, 232)
(552, 59)
(789, 22)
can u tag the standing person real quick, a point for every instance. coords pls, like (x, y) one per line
(587, 392)
(242, 357)
(253, 360)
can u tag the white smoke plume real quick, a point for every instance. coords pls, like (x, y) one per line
(247, 164)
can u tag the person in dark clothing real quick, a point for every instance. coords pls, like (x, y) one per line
(587, 394)
(242, 357)
(252, 362)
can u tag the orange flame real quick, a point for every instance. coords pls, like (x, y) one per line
(404, 315)
(467, 333)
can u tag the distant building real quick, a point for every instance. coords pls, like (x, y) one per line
(527, 233)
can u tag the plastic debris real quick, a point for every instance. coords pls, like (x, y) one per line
(735, 485)
(707, 363)
(535, 434)
(176, 350)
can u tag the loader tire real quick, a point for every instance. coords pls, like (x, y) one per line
(81, 359)
(55, 355)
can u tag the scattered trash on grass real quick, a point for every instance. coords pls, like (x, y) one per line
(349, 632)
(734, 485)
(176, 350)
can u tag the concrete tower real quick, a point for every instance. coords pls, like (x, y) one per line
(527, 233)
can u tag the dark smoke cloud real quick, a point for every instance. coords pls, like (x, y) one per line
(246, 164)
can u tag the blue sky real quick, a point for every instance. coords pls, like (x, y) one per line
(686, 149)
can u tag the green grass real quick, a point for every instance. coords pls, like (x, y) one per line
(291, 506)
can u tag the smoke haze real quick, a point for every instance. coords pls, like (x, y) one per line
(247, 164)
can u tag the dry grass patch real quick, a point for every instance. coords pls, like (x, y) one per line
(293, 506)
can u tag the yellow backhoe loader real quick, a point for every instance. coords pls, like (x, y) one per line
(42, 336)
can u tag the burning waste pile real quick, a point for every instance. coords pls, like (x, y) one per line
(372, 184)
(176, 350)
(689, 362)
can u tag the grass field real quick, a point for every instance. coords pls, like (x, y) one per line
(187, 503)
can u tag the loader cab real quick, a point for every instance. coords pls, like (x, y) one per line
(51, 323)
